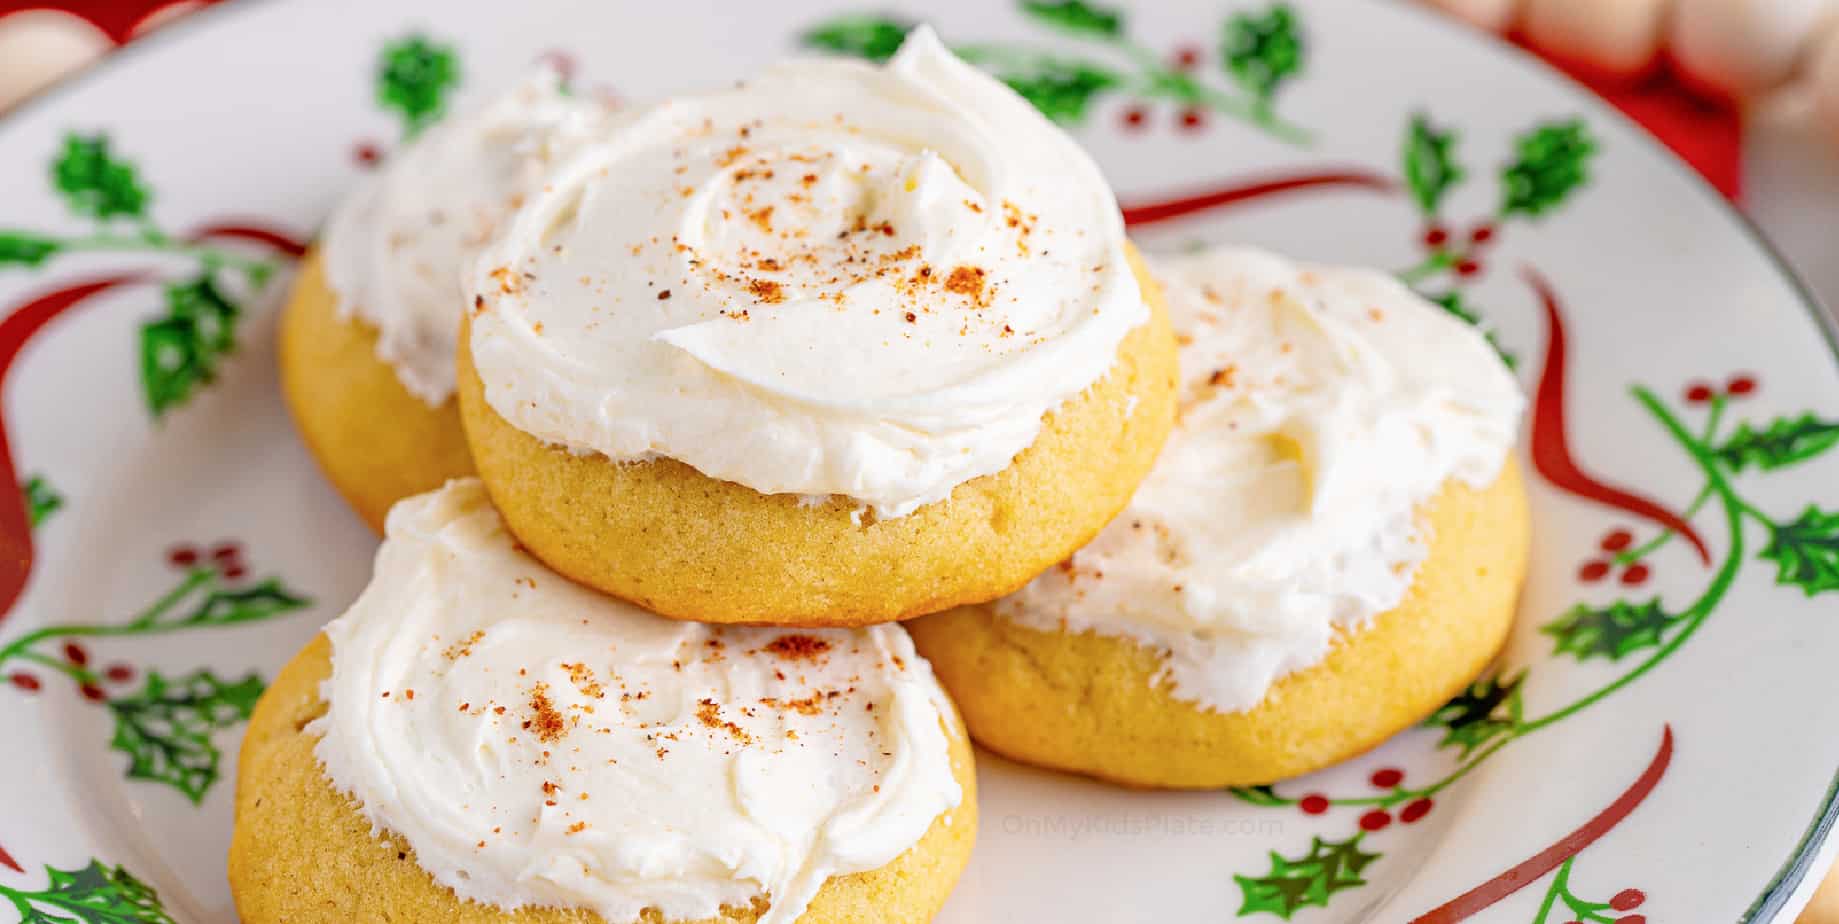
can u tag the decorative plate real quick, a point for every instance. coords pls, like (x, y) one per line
(1653, 745)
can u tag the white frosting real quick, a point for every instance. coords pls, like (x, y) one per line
(836, 279)
(539, 744)
(1320, 409)
(396, 248)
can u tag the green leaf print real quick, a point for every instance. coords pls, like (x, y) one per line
(863, 36)
(94, 894)
(1263, 50)
(1431, 170)
(1311, 879)
(1062, 89)
(96, 184)
(1265, 795)
(1806, 551)
(166, 728)
(42, 500)
(1459, 308)
(1077, 17)
(182, 350)
(23, 248)
(1785, 441)
(1489, 708)
(414, 78)
(1612, 631)
(1550, 162)
(229, 607)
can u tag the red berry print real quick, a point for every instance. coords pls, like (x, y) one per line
(182, 556)
(1632, 919)
(1467, 268)
(75, 654)
(1741, 385)
(234, 572)
(1481, 234)
(366, 154)
(1635, 575)
(24, 681)
(1375, 820)
(1134, 118)
(1193, 120)
(1415, 810)
(1436, 236)
(561, 61)
(1698, 393)
(1593, 571)
(1187, 57)
(94, 693)
(226, 551)
(1387, 778)
(1628, 900)
(1313, 804)
(119, 673)
(1618, 540)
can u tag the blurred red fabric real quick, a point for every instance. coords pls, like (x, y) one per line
(1705, 134)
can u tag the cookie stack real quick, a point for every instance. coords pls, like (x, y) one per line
(748, 376)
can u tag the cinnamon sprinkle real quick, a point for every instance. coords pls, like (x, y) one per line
(710, 715)
(545, 720)
(798, 647)
(766, 290)
(966, 280)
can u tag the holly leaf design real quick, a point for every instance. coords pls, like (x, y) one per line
(1077, 16)
(1550, 162)
(1431, 169)
(41, 499)
(1311, 879)
(181, 351)
(1062, 89)
(1265, 796)
(1612, 631)
(94, 182)
(1263, 50)
(1458, 307)
(414, 77)
(167, 727)
(23, 248)
(94, 894)
(1489, 708)
(251, 604)
(873, 37)
(1806, 551)
(1785, 441)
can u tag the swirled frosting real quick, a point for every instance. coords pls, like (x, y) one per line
(396, 248)
(1321, 407)
(834, 279)
(539, 744)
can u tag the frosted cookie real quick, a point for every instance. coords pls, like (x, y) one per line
(842, 344)
(1331, 546)
(367, 338)
(477, 740)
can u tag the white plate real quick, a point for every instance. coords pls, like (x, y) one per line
(1654, 745)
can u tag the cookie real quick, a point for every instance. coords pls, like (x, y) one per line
(1330, 546)
(680, 543)
(375, 442)
(477, 739)
(367, 339)
(1102, 705)
(842, 344)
